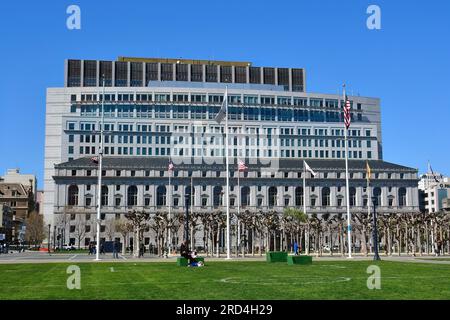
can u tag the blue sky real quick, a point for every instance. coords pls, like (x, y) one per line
(406, 63)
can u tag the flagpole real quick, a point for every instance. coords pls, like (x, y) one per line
(100, 169)
(227, 172)
(304, 208)
(369, 195)
(349, 226)
(192, 207)
(429, 205)
(238, 212)
(369, 198)
(170, 202)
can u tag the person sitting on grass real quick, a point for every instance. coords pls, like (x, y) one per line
(189, 255)
(193, 261)
(184, 250)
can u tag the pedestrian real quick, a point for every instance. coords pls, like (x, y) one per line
(296, 248)
(116, 249)
(102, 248)
(141, 250)
(184, 250)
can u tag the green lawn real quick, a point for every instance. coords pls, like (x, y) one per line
(226, 280)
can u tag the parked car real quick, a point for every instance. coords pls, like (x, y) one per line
(68, 247)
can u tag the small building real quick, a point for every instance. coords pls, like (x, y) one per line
(20, 200)
(5, 223)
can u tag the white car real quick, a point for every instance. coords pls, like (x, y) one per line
(67, 247)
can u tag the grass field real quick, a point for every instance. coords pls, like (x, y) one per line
(226, 280)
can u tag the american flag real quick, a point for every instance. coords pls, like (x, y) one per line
(242, 166)
(94, 160)
(434, 175)
(223, 109)
(171, 166)
(347, 115)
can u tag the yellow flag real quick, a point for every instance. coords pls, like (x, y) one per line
(368, 171)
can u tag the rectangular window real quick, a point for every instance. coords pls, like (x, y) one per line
(151, 72)
(225, 74)
(74, 73)
(297, 80)
(121, 73)
(240, 74)
(269, 75)
(211, 73)
(136, 74)
(166, 71)
(181, 72)
(197, 72)
(255, 75)
(106, 71)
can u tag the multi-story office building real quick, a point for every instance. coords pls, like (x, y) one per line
(160, 108)
(434, 190)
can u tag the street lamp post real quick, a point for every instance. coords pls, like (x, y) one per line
(49, 238)
(54, 237)
(375, 236)
(187, 197)
(59, 237)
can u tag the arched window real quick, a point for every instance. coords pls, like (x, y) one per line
(272, 196)
(104, 195)
(161, 196)
(245, 196)
(377, 195)
(325, 196)
(72, 199)
(217, 201)
(299, 196)
(352, 191)
(401, 197)
(132, 196)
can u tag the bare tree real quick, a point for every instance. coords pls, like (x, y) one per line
(124, 227)
(138, 220)
(110, 228)
(80, 228)
(35, 231)
(158, 223)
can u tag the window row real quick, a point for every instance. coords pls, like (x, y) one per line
(218, 197)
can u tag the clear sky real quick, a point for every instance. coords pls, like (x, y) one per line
(406, 63)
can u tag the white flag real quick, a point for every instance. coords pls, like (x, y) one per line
(308, 168)
(223, 109)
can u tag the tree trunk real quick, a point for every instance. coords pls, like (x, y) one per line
(253, 242)
(389, 242)
(124, 245)
(307, 239)
(448, 240)
(217, 243)
(136, 243)
(363, 240)
(419, 241)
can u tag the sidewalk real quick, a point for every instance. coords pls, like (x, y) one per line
(44, 257)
